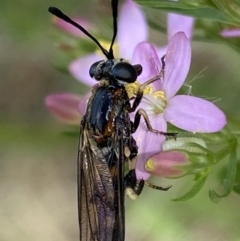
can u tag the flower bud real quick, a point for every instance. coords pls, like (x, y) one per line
(180, 157)
(65, 107)
(167, 164)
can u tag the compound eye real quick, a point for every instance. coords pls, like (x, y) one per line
(93, 71)
(124, 72)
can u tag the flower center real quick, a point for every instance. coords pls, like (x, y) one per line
(160, 102)
(156, 101)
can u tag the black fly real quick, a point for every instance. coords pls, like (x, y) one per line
(106, 144)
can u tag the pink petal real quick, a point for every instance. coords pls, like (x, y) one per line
(177, 23)
(148, 143)
(65, 107)
(145, 54)
(132, 28)
(67, 27)
(80, 68)
(161, 51)
(194, 114)
(230, 33)
(178, 59)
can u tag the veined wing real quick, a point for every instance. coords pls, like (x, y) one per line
(117, 172)
(100, 192)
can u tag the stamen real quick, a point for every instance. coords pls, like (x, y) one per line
(156, 101)
(159, 95)
(160, 102)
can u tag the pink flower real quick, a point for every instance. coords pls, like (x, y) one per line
(231, 33)
(177, 23)
(163, 105)
(65, 106)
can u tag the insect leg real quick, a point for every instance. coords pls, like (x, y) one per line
(140, 90)
(153, 186)
(136, 123)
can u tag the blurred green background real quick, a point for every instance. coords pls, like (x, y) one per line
(38, 199)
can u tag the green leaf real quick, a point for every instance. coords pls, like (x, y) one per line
(231, 172)
(194, 190)
(230, 175)
(230, 8)
(164, 4)
(236, 188)
(229, 148)
(198, 10)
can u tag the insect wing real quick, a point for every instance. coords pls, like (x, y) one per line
(96, 192)
(118, 183)
(101, 190)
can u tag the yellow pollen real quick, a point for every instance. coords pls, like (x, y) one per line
(148, 90)
(132, 89)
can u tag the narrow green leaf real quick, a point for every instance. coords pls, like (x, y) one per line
(230, 8)
(237, 178)
(194, 190)
(230, 175)
(231, 145)
(164, 4)
(231, 172)
(202, 11)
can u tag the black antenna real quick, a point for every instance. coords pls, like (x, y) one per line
(114, 14)
(60, 14)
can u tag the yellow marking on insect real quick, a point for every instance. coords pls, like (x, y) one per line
(127, 151)
(131, 194)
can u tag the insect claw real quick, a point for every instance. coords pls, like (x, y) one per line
(158, 187)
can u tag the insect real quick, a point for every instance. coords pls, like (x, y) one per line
(106, 143)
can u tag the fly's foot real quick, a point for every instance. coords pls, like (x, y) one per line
(157, 187)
